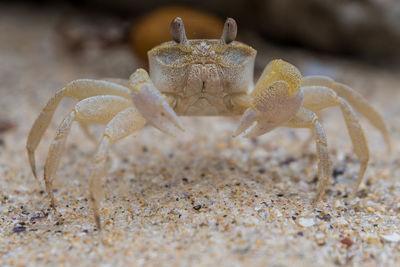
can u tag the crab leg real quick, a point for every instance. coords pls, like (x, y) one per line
(310, 138)
(97, 109)
(120, 81)
(149, 105)
(122, 125)
(356, 100)
(78, 89)
(317, 98)
(308, 119)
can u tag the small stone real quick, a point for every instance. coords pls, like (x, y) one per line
(326, 217)
(347, 242)
(19, 229)
(391, 238)
(287, 161)
(306, 222)
(339, 170)
(300, 234)
(197, 207)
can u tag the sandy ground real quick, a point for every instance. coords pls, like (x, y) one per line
(189, 201)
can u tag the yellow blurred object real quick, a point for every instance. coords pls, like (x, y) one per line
(153, 28)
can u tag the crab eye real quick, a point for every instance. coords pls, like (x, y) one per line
(177, 30)
(230, 31)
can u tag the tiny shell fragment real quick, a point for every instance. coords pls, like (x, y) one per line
(391, 238)
(306, 222)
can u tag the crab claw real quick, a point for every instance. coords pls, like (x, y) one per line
(275, 100)
(248, 119)
(255, 123)
(273, 109)
(151, 104)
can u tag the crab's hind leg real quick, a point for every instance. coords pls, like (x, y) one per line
(122, 125)
(97, 109)
(310, 138)
(78, 89)
(317, 98)
(308, 119)
(356, 100)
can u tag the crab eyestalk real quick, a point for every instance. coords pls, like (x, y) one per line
(177, 30)
(230, 31)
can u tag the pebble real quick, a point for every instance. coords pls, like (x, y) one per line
(306, 222)
(347, 242)
(395, 237)
(18, 229)
(197, 207)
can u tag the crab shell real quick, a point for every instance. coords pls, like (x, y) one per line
(202, 75)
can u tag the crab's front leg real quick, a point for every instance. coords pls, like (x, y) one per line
(149, 105)
(275, 100)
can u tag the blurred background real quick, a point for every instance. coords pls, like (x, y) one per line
(363, 28)
(368, 29)
(45, 44)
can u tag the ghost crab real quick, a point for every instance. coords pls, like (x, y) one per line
(203, 78)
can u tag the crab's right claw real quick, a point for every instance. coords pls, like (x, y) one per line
(246, 121)
(275, 100)
(151, 104)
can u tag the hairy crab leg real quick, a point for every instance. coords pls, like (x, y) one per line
(317, 98)
(356, 100)
(78, 89)
(308, 119)
(98, 109)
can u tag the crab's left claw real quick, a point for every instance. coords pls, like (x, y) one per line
(152, 105)
(275, 100)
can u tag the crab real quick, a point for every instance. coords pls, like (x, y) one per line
(206, 77)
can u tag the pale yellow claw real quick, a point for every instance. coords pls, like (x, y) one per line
(276, 99)
(279, 70)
